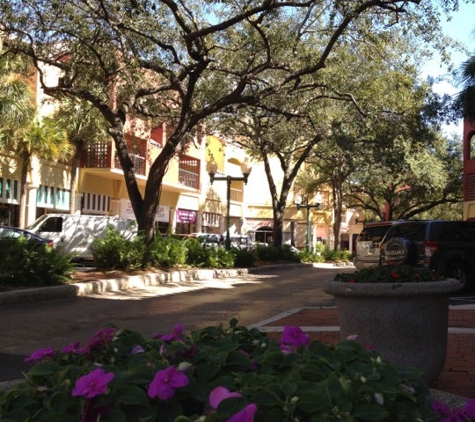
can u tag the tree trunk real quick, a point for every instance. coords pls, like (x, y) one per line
(74, 167)
(25, 164)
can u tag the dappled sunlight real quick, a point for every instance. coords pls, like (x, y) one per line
(146, 292)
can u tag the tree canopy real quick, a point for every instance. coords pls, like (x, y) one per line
(182, 62)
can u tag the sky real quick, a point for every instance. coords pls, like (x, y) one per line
(461, 27)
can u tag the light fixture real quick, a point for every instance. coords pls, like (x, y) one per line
(317, 206)
(212, 168)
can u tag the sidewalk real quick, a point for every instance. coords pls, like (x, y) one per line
(458, 375)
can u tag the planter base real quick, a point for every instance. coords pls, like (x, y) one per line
(407, 323)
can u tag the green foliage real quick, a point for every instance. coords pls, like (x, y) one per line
(114, 252)
(276, 253)
(168, 252)
(25, 263)
(342, 382)
(329, 255)
(311, 257)
(245, 258)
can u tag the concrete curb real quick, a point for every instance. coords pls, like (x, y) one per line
(131, 282)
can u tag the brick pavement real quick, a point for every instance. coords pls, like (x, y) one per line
(458, 375)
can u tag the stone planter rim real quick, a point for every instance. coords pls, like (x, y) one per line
(426, 288)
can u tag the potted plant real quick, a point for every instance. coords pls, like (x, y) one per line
(400, 311)
(214, 375)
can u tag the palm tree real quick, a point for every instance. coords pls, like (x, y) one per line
(83, 125)
(22, 131)
(42, 138)
(466, 98)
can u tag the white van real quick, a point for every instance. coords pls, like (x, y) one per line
(75, 233)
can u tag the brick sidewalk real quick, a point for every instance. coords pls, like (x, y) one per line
(458, 375)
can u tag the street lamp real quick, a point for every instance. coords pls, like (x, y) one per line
(212, 168)
(317, 206)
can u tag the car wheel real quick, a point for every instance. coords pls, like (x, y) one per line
(458, 271)
(396, 251)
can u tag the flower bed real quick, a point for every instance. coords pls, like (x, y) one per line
(215, 374)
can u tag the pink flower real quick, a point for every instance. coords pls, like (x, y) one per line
(469, 409)
(40, 354)
(245, 415)
(293, 336)
(103, 336)
(165, 382)
(93, 384)
(219, 394)
(137, 349)
(176, 334)
(71, 347)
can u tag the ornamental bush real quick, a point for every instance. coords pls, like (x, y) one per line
(25, 264)
(215, 374)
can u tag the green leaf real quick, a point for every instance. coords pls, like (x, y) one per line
(59, 401)
(115, 415)
(371, 412)
(132, 395)
(42, 369)
(60, 417)
(265, 398)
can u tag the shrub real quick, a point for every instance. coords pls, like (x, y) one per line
(168, 252)
(274, 253)
(245, 258)
(214, 375)
(196, 254)
(115, 252)
(26, 263)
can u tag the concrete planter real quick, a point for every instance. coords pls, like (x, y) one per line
(406, 322)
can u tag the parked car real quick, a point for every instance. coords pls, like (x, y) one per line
(208, 240)
(7, 232)
(368, 242)
(447, 247)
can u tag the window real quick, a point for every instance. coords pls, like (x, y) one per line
(9, 190)
(52, 197)
(93, 203)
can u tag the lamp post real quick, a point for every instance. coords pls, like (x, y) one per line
(308, 207)
(212, 168)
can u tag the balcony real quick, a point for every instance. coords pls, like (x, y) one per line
(99, 156)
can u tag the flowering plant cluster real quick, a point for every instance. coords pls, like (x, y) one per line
(463, 414)
(216, 374)
(390, 274)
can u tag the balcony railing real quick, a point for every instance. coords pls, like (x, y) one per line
(188, 178)
(137, 161)
(99, 156)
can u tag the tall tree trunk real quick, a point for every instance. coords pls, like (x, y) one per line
(25, 164)
(74, 168)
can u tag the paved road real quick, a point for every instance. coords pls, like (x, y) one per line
(25, 327)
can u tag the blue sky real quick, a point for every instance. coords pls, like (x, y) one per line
(461, 28)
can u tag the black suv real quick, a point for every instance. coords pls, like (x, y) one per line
(447, 247)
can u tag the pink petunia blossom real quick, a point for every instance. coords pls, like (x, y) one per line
(176, 334)
(165, 382)
(245, 415)
(294, 337)
(40, 354)
(469, 409)
(71, 347)
(103, 336)
(93, 384)
(137, 349)
(219, 394)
